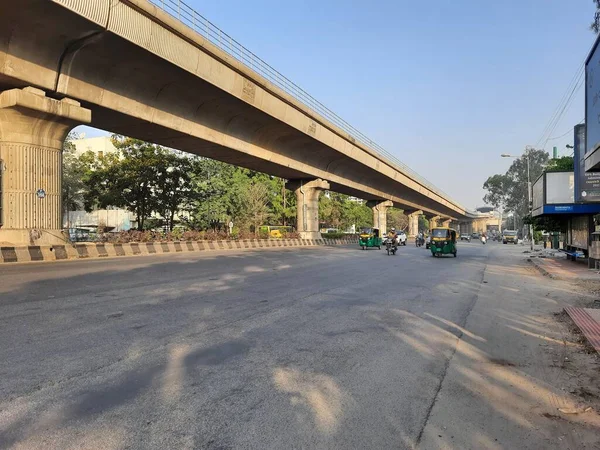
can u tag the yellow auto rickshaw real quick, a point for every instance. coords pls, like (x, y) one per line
(443, 241)
(369, 237)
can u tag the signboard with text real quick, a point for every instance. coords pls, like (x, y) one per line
(587, 184)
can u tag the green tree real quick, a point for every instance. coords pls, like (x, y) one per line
(563, 164)
(255, 211)
(174, 191)
(397, 219)
(595, 26)
(497, 187)
(73, 174)
(509, 191)
(128, 180)
(354, 213)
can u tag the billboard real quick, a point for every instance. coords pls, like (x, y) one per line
(587, 184)
(538, 195)
(592, 99)
(560, 187)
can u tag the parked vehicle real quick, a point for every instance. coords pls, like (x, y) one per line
(369, 237)
(443, 241)
(274, 231)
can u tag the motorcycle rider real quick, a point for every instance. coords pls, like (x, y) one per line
(393, 236)
(421, 238)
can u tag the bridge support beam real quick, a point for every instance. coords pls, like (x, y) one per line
(32, 131)
(413, 223)
(447, 223)
(307, 201)
(380, 208)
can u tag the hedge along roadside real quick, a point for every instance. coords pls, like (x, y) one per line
(109, 249)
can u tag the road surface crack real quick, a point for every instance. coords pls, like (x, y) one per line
(450, 358)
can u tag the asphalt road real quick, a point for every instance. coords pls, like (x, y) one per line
(321, 348)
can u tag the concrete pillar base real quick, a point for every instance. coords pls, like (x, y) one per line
(380, 208)
(307, 201)
(32, 131)
(32, 237)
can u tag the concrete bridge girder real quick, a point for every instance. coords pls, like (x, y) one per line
(178, 90)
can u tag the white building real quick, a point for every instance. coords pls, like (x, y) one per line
(99, 145)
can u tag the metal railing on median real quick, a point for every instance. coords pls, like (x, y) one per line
(194, 20)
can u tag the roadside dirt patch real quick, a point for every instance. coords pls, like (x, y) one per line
(580, 363)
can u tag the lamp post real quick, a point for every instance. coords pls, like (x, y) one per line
(528, 149)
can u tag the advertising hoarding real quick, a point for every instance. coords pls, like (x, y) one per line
(560, 187)
(538, 196)
(587, 184)
(592, 99)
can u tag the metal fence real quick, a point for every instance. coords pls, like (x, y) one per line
(194, 20)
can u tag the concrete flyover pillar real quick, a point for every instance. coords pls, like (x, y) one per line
(447, 223)
(307, 201)
(433, 222)
(380, 208)
(32, 131)
(413, 223)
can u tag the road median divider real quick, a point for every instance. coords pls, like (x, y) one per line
(97, 250)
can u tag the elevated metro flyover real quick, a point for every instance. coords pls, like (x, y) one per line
(130, 67)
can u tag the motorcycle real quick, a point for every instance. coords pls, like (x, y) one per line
(391, 246)
(483, 240)
(419, 241)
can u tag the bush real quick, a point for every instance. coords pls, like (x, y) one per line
(333, 235)
(124, 237)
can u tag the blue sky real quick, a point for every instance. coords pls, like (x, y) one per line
(456, 82)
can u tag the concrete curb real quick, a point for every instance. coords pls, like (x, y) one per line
(541, 269)
(97, 250)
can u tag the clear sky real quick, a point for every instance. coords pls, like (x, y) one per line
(446, 86)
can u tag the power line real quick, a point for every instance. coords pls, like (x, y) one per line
(565, 102)
(566, 107)
(573, 82)
(566, 132)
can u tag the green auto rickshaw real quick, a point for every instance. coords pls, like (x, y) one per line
(369, 237)
(443, 241)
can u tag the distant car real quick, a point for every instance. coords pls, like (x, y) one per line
(402, 237)
(475, 236)
(465, 237)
